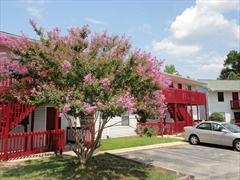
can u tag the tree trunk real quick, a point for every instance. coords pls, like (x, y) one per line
(84, 150)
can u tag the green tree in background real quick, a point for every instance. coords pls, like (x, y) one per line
(231, 68)
(170, 69)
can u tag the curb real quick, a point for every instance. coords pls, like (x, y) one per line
(117, 151)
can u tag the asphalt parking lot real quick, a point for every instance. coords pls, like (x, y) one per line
(205, 162)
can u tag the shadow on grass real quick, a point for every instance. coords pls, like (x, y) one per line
(103, 166)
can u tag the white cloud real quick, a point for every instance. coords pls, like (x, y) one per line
(95, 21)
(35, 8)
(218, 5)
(212, 64)
(170, 47)
(202, 35)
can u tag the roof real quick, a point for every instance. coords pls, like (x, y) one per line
(9, 34)
(184, 80)
(222, 85)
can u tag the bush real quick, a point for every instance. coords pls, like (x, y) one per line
(216, 117)
(147, 131)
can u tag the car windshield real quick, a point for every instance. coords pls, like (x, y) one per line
(231, 127)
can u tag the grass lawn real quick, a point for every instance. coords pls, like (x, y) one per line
(104, 166)
(126, 142)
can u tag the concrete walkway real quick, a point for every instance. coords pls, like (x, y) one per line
(118, 151)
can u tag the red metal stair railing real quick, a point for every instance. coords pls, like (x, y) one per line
(19, 112)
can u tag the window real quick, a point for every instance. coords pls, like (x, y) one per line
(204, 126)
(189, 87)
(220, 97)
(216, 127)
(179, 86)
(125, 119)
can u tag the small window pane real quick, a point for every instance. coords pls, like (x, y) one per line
(216, 127)
(204, 126)
(125, 119)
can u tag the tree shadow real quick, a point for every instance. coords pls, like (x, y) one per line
(104, 166)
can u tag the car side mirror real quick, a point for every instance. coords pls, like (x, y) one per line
(224, 130)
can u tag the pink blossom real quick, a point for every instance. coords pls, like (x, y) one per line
(88, 108)
(66, 65)
(106, 84)
(7, 67)
(127, 102)
(33, 91)
(8, 41)
(99, 104)
(67, 107)
(55, 33)
(88, 78)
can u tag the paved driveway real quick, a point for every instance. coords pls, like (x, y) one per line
(203, 162)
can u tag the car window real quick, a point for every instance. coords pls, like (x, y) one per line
(231, 127)
(204, 126)
(216, 127)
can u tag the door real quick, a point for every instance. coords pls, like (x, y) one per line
(204, 132)
(51, 115)
(50, 125)
(219, 137)
(235, 99)
(235, 95)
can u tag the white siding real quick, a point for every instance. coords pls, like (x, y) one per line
(118, 130)
(40, 119)
(222, 107)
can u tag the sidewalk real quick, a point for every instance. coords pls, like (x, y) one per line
(118, 151)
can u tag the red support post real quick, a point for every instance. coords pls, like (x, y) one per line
(56, 119)
(206, 112)
(175, 118)
(192, 115)
(55, 138)
(6, 131)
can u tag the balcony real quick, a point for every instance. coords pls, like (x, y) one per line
(235, 104)
(182, 96)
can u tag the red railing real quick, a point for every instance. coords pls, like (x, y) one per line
(182, 96)
(235, 104)
(84, 135)
(6, 84)
(24, 144)
(14, 112)
(166, 128)
(19, 112)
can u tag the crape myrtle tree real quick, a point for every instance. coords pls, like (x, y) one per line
(84, 74)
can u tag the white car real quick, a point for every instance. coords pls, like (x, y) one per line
(212, 132)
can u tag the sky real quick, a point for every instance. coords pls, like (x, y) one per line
(193, 35)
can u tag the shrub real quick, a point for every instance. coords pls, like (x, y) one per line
(216, 117)
(147, 131)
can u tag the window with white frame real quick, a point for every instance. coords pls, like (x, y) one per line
(125, 119)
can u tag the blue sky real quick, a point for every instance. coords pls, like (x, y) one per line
(194, 35)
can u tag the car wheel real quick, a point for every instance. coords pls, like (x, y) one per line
(193, 139)
(237, 145)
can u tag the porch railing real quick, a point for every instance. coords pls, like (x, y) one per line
(83, 134)
(183, 96)
(165, 128)
(235, 104)
(24, 144)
